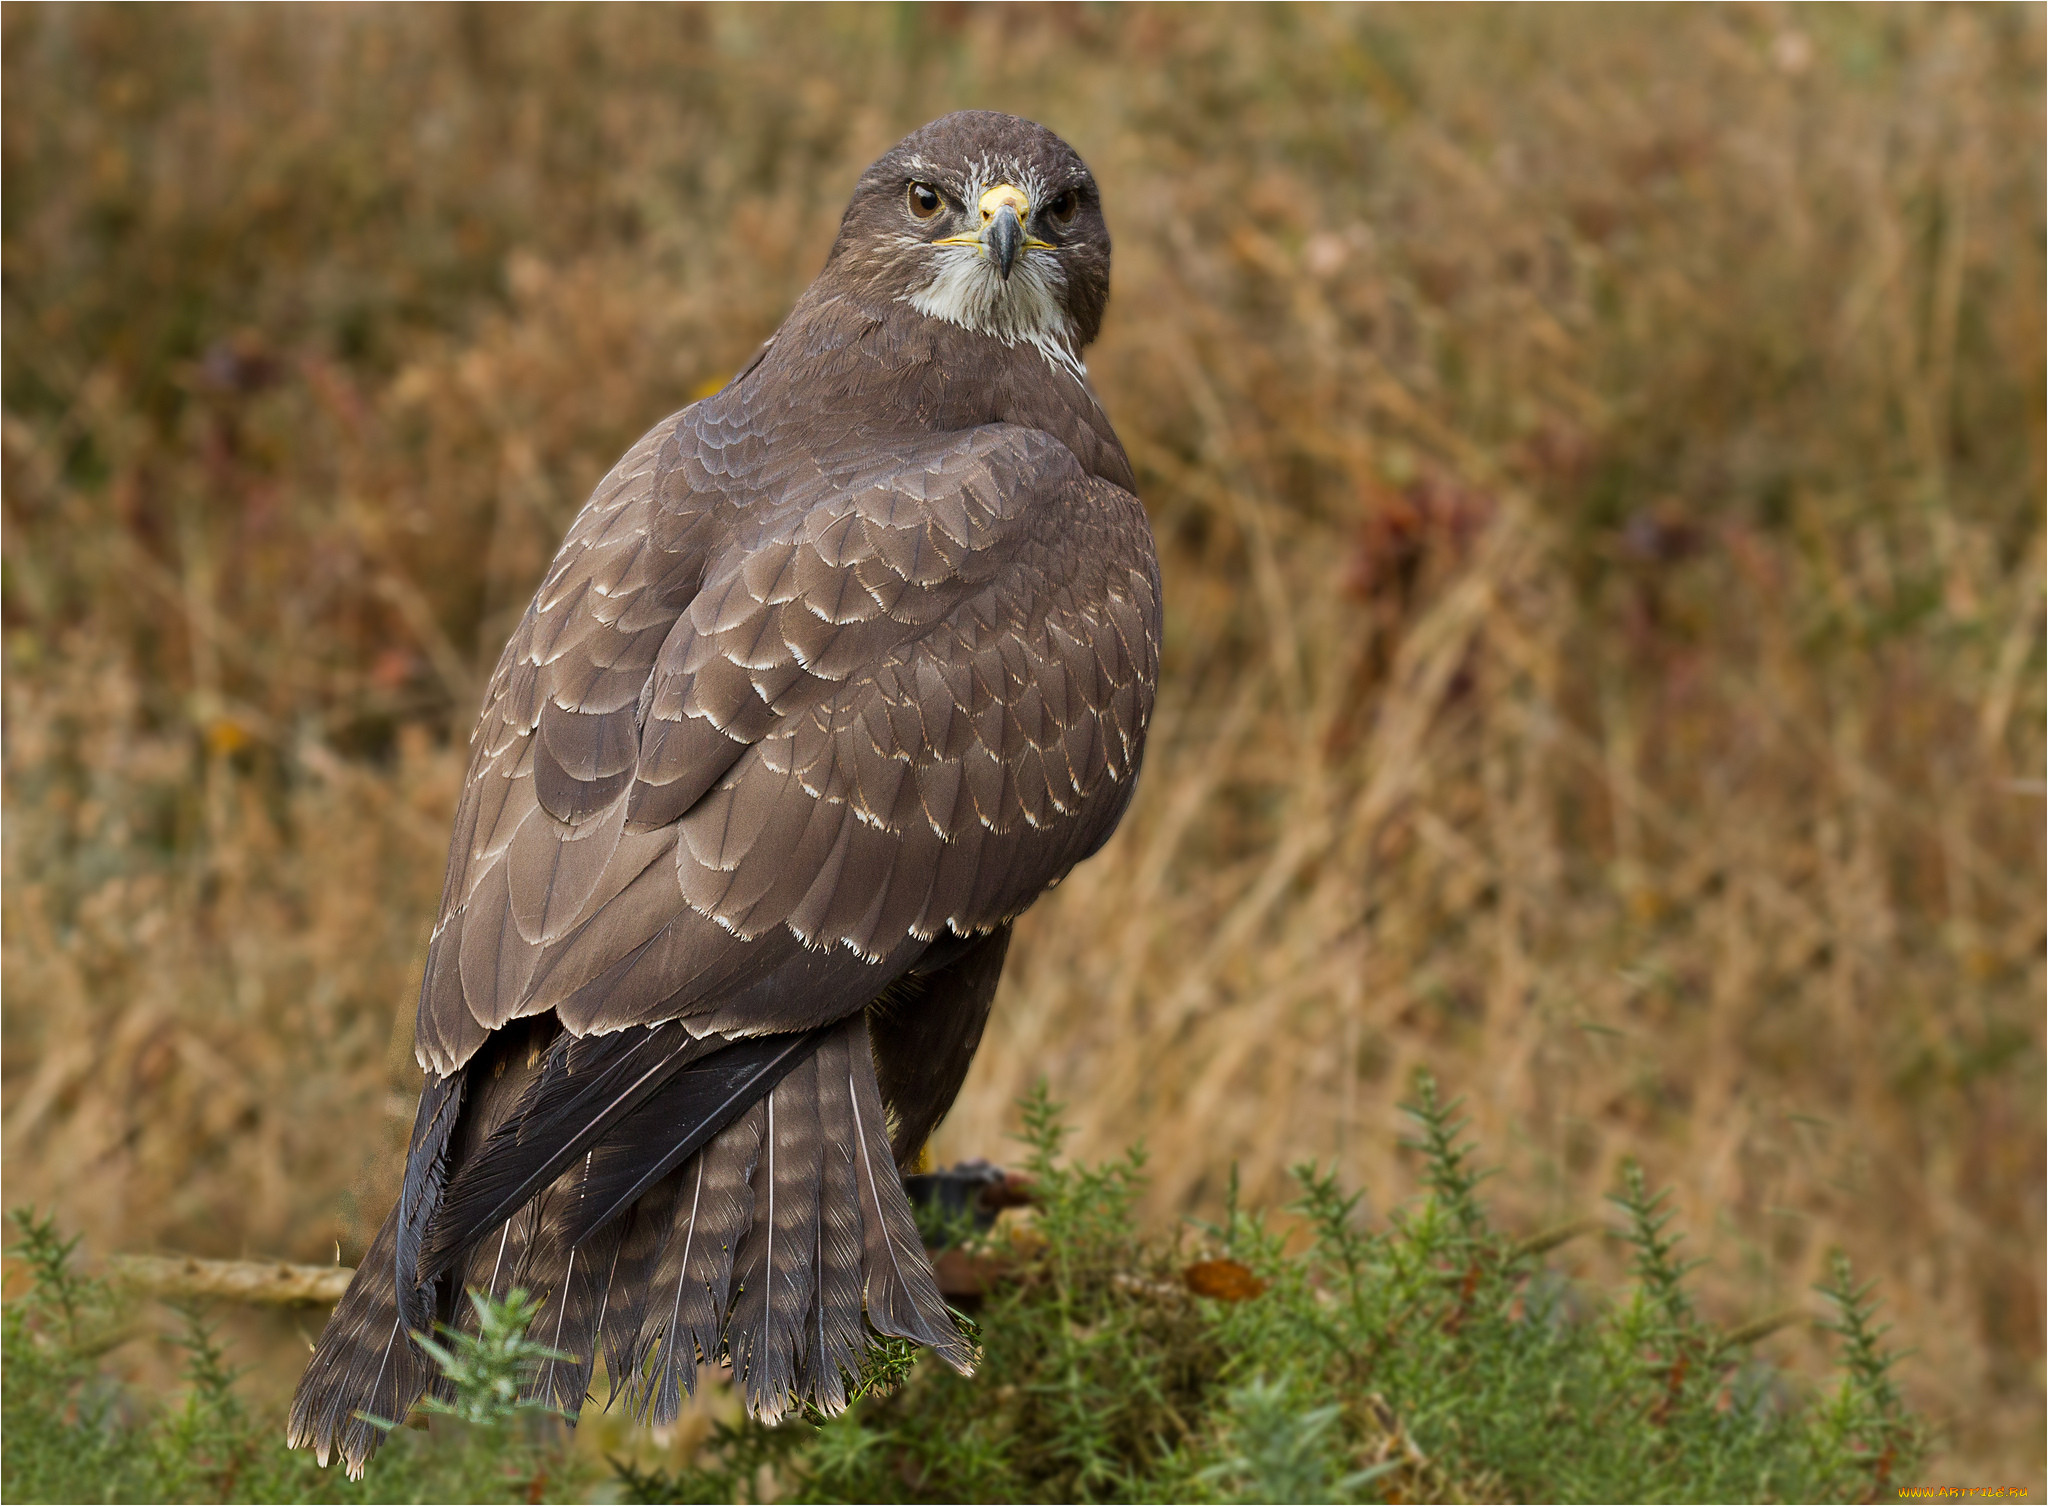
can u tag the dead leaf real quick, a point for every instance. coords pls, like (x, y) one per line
(1225, 1280)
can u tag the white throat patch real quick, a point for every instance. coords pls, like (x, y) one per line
(967, 290)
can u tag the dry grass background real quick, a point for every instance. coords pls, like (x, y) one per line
(1597, 457)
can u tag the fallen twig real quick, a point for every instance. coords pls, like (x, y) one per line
(269, 1283)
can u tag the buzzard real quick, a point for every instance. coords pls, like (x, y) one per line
(836, 672)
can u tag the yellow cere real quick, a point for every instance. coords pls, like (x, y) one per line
(1003, 194)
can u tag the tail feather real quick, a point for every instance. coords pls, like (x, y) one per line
(681, 1119)
(644, 1233)
(573, 1279)
(365, 1364)
(587, 1086)
(499, 1263)
(675, 1233)
(693, 1278)
(774, 1267)
(426, 1174)
(644, 1236)
(901, 1291)
(834, 1336)
(494, 1268)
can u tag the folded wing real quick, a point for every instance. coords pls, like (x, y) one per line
(895, 699)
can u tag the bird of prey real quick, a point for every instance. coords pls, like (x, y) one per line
(836, 672)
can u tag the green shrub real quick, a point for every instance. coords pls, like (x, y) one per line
(66, 1437)
(1435, 1358)
(75, 1434)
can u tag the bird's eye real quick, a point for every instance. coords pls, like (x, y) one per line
(1064, 208)
(923, 201)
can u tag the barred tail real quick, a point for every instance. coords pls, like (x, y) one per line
(785, 1230)
(365, 1363)
(695, 1224)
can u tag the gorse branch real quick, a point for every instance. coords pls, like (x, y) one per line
(1655, 1261)
(1867, 1438)
(76, 1433)
(492, 1366)
(1447, 1163)
(55, 1289)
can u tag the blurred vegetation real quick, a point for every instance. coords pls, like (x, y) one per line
(1597, 457)
(75, 1432)
(1435, 1359)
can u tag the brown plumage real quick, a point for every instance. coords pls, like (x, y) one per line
(836, 672)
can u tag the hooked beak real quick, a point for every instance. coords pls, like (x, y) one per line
(1002, 238)
(1004, 210)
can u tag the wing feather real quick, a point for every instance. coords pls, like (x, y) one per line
(886, 698)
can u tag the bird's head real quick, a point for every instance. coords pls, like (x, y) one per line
(989, 222)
